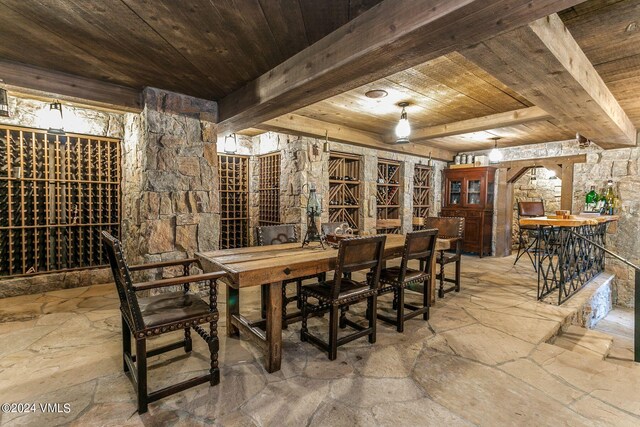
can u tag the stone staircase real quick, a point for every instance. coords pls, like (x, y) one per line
(584, 341)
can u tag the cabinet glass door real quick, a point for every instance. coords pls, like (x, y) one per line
(473, 192)
(455, 192)
(490, 194)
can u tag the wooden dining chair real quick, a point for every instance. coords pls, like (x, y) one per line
(418, 245)
(334, 296)
(448, 228)
(276, 235)
(147, 317)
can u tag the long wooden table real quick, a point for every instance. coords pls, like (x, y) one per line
(271, 265)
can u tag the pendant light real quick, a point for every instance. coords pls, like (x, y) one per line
(53, 118)
(230, 144)
(495, 156)
(403, 128)
(4, 102)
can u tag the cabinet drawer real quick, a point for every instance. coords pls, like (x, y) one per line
(473, 214)
(453, 212)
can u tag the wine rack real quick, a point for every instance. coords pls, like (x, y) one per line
(234, 201)
(388, 197)
(269, 190)
(57, 193)
(344, 189)
(421, 194)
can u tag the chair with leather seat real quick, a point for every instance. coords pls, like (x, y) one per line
(530, 245)
(334, 296)
(147, 317)
(276, 235)
(451, 228)
(418, 245)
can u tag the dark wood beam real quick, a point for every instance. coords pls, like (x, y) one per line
(391, 36)
(299, 125)
(493, 121)
(38, 82)
(543, 63)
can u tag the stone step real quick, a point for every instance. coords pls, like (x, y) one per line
(584, 341)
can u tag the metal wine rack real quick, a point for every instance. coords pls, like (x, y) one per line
(388, 196)
(269, 190)
(234, 201)
(421, 194)
(57, 193)
(344, 189)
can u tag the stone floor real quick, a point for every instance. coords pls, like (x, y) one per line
(482, 359)
(619, 325)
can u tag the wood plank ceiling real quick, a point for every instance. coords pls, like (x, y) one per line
(203, 48)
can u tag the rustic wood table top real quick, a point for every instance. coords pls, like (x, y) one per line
(572, 221)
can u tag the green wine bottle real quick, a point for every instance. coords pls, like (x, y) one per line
(591, 200)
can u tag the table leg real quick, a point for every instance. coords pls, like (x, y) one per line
(273, 355)
(233, 307)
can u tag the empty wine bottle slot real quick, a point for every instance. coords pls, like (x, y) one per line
(57, 192)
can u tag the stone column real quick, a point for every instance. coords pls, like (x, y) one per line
(171, 206)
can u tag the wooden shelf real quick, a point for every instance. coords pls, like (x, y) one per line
(234, 201)
(269, 190)
(389, 182)
(57, 193)
(346, 193)
(421, 194)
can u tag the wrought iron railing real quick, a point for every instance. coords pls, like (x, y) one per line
(636, 325)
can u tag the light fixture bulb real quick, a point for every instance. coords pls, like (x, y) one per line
(230, 144)
(52, 118)
(403, 128)
(495, 156)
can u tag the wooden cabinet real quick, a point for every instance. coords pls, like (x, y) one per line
(469, 193)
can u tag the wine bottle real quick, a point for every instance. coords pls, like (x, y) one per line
(591, 199)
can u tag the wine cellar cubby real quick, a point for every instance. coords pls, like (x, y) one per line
(421, 194)
(269, 189)
(344, 189)
(57, 193)
(388, 196)
(234, 201)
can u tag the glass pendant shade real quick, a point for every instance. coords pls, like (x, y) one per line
(495, 156)
(53, 118)
(403, 128)
(4, 103)
(313, 203)
(230, 144)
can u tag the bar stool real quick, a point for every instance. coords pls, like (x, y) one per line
(418, 245)
(532, 244)
(448, 228)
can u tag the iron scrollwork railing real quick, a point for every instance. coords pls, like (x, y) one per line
(570, 257)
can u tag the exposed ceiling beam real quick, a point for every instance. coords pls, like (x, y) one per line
(299, 125)
(544, 63)
(391, 36)
(29, 80)
(493, 121)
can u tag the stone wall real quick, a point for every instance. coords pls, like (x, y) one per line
(170, 188)
(27, 112)
(622, 166)
(534, 185)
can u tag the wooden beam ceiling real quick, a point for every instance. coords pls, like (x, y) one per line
(544, 63)
(299, 125)
(387, 38)
(52, 84)
(499, 120)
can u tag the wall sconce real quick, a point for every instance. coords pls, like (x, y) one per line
(51, 118)
(4, 102)
(403, 128)
(325, 147)
(230, 144)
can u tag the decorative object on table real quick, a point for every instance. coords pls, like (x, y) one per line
(530, 245)
(456, 159)
(341, 232)
(449, 228)
(403, 128)
(314, 209)
(591, 200)
(420, 246)
(147, 317)
(360, 253)
(562, 214)
(610, 199)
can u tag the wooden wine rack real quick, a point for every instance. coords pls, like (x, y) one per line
(421, 194)
(57, 193)
(344, 189)
(234, 201)
(269, 190)
(388, 196)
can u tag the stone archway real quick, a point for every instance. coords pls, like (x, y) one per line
(509, 172)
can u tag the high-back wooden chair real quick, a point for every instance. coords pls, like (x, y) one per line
(356, 254)
(448, 228)
(420, 246)
(530, 245)
(146, 317)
